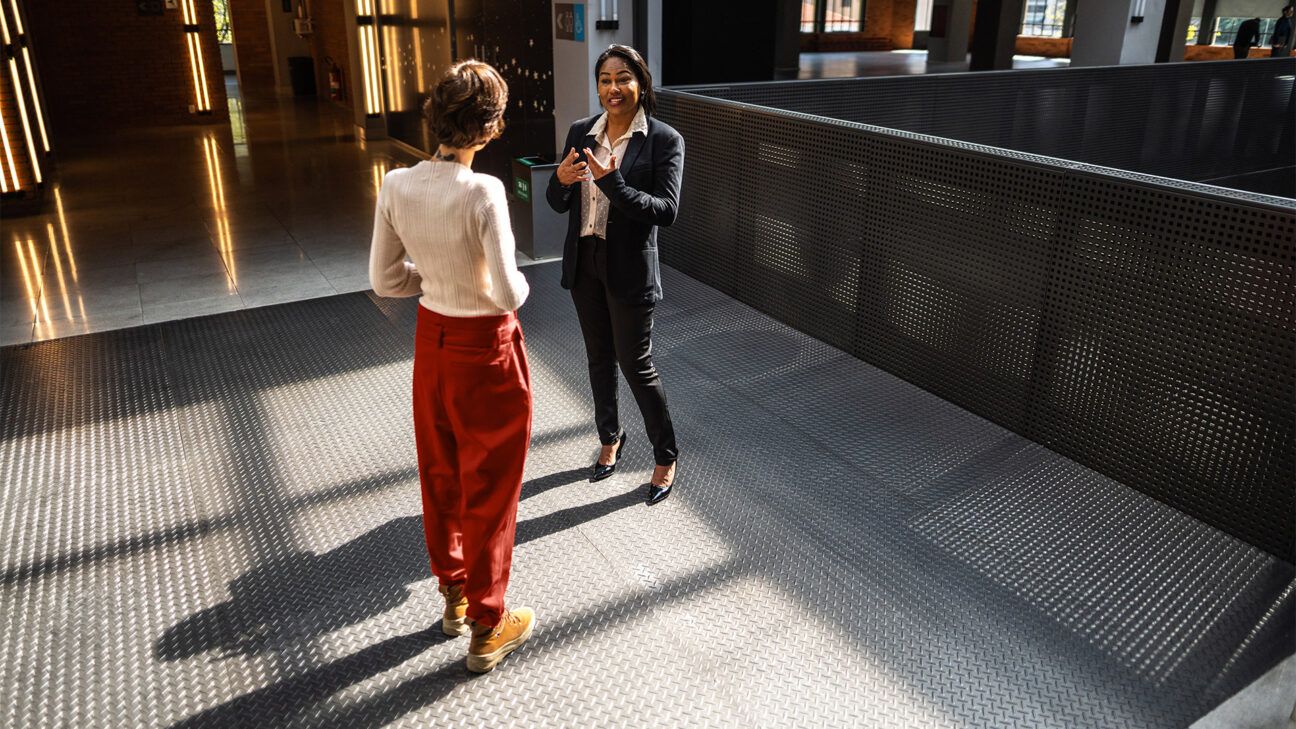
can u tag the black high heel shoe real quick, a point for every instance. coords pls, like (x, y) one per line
(658, 494)
(601, 471)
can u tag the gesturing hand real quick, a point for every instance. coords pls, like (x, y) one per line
(598, 169)
(571, 171)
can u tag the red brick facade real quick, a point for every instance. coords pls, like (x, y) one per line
(888, 25)
(104, 66)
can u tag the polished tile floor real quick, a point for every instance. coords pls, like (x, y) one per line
(180, 222)
(897, 63)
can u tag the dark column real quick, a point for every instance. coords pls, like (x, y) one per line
(995, 37)
(1068, 19)
(1174, 31)
(710, 41)
(787, 39)
(1206, 31)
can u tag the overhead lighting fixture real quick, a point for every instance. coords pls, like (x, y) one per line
(9, 160)
(31, 77)
(369, 57)
(14, 47)
(391, 45)
(202, 99)
(418, 47)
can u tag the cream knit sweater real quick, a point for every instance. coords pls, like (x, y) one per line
(453, 225)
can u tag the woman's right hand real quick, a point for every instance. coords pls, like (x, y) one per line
(572, 170)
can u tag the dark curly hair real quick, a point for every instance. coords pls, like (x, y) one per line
(467, 105)
(639, 67)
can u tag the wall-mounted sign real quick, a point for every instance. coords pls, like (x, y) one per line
(569, 21)
(149, 7)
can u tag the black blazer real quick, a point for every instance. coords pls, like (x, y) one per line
(644, 193)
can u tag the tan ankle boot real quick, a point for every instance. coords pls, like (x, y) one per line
(490, 644)
(454, 621)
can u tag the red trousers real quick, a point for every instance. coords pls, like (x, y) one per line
(472, 426)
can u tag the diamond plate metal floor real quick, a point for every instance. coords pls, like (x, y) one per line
(214, 522)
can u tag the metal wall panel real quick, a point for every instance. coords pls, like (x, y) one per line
(1190, 121)
(1141, 326)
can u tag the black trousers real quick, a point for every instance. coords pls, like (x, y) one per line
(619, 333)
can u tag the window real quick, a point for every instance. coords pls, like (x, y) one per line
(1226, 30)
(842, 16)
(831, 16)
(1043, 18)
(223, 33)
(807, 16)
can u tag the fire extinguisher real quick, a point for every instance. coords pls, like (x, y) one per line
(334, 80)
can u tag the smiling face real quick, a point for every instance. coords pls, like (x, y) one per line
(618, 89)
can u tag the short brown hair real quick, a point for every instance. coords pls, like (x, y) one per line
(467, 105)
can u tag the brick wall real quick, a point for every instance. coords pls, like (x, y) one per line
(888, 24)
(104, 66)
(252, 46)
(330, 43)
(17, 141)
(902, 23)
(1046, 47)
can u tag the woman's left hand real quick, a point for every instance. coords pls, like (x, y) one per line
(596, 169)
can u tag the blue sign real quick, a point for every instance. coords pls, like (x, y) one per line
(569, 21)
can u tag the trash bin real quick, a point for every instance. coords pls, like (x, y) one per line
(301, 70)
(538, 230)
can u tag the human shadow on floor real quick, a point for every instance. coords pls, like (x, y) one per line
(303, 700)
(303, 595)
(283, 702)
(537, 486)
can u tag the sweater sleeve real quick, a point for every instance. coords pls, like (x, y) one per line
(389, 273)
(509, 288)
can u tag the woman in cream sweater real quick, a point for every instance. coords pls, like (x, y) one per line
(472, 385)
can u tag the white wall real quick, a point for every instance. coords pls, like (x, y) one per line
(1104, 35)
(654, 39)
(575, 96)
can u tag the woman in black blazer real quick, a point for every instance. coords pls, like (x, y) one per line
(619, 180)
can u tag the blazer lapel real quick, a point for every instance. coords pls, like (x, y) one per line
(589, 140)
(633, 148)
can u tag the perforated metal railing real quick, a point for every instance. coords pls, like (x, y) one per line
(1191, 121)
(1141, 326)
